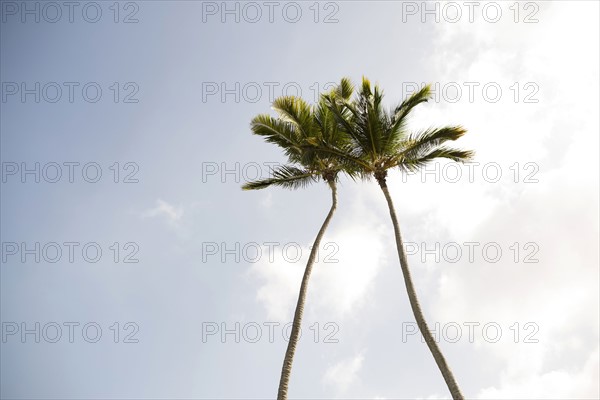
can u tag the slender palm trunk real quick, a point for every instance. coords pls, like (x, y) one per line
(414, 303)
(295, 335)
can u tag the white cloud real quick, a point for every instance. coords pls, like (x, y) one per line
(163, 209)
(560, 213)
(344, 374)
(559, 383)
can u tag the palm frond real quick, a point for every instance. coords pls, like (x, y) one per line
(413, 164)
(286, 176)
(366, 87)
(344, 156)
(345, 114)
(404, 108)
(345, 89)
(279, 132)
(415, 146)
(296, 111)
(367, 128)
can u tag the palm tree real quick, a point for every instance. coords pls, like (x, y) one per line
(378, 141)
(298, 128)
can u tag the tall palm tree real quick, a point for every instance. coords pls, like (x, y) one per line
(297, 129)
(378, 142)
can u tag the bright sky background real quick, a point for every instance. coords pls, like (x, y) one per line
(191, 80)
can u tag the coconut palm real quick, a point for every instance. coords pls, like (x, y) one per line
(297, 129)
(378, 142)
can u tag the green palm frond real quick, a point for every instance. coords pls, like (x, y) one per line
(296, 111)
(404, 108)
(374, 131)
(398, 118)
(343, 112)
(413, 164)
(286, 176)
(345, 89)
(344, 156)
(279, 132)
(366, 87)
(329, 120)
(325, 120)
(359, 120)
(423, 142)
(375, 121)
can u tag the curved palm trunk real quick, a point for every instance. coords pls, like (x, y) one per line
(295, 335)
(414, 303)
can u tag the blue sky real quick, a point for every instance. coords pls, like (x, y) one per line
(524, 83)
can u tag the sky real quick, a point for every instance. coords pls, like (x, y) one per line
(134, 266)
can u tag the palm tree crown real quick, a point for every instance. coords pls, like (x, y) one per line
(297, 129)
(379, 139)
